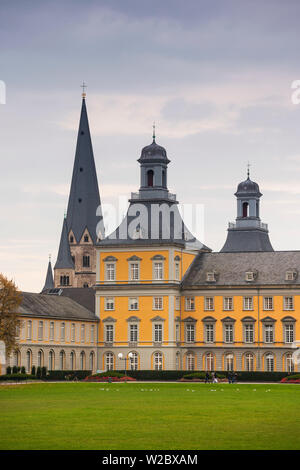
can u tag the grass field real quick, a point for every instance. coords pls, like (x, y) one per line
(131, 416)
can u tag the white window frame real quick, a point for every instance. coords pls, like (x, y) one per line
(82, 333)
(190, 332)
(158, 333)
(110, 271)
(158, 303)
(228, 303)
(41, 330)
(268, 303)
(177, 303)
(269, 333)
(249, 333)
(229, 333)
(158, 270)
(73, 332)
(92, 334)
(109, 361)
(248, 303)
(134, 271)
(62, 331)
(133, 303)
(289, 333)
(189, 303)
(133, 332)
(29, 329)
(158, 360)
(51, 331)
(109, 333)
(109, 304)
(209, 333)
(177, 270)
(288, 302)
(209, 304)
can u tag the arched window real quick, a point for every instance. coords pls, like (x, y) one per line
(150, 175)
(72, 360)
(190, 361)
(158, 361)
(177, 361)
(109, 361)
(62, 357)
(270, 362)
(40, 358)
(249, 362)
(133, 361)
(16, 358)
(71, 239)
(62, 331)
(229, 362)
(28, 361)
(85, 285)
(245, 209)
(51, 360)
(64, 280)
(289, 364)
(82, 360)
(209, 361)
(91, 362)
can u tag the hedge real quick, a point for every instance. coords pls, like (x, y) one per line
(242, 376)
(17, 377)
(67, 374)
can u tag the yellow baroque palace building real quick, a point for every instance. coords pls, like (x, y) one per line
(153, 290)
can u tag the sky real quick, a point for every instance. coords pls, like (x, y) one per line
(216, 78)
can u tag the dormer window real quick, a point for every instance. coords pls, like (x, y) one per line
(86, 238)
(290, 275)
(71, 239)
(210, 277)
(249, 276)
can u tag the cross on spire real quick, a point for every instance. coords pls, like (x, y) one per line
(248, 170)
(153, 127)
(83, 86)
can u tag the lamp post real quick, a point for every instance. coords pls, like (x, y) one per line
(120, 356)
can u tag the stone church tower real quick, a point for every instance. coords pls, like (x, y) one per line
(83, 225)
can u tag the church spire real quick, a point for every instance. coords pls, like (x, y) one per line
(64, 258)
(49, 282)
(84, 198)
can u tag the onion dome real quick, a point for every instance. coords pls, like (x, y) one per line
(248, 187)
(154, 152)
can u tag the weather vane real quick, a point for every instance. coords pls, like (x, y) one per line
(248, 170)
(153, 131)
(83, 86)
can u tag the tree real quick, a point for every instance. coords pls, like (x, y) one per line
(10, 300)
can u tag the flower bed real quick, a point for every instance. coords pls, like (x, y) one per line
(108, 378)
(291, 379)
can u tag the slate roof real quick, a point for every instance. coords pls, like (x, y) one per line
(84, 198)
(53, 306)
(81, 295)
(247, 240)
(269, 267)
(49, 283)
(64, 258)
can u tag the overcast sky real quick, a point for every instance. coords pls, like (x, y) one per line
(215, 76)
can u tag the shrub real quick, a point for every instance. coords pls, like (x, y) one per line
(108, 378)
(8, 370)
(15, 369)
(43, 372)
(67, 374)
(16, 377)
(33, 370)
(38, 372)
(23, 371)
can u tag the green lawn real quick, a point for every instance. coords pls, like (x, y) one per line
(122, 416)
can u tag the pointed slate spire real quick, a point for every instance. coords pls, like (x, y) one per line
(84, 198)
(49, 282)
(64, 258)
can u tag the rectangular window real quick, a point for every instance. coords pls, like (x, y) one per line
(92, 333)
(158, 333)
(62, 332)
(82, 333)
(109, 303)
(249, 333)
(29, 329)
(177, 333)
(110, 272)
(190, 303)
(51, 335)
(269, 333)
(177, 303)
(158, 271)
(228, 333)
(41, 330)
(268, 303)
(209, 303)
(190, 333)
(248, 303)
(134, 271)
(133, 336)
(177, 271)
(73, 332)
(289, 333)
(288, 303)
(109, 333)
(157, 303)
(209, 333)
(228, 303)
(133, 303)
